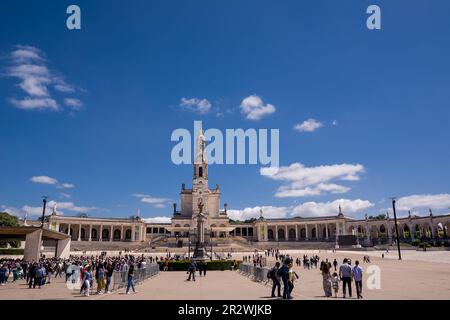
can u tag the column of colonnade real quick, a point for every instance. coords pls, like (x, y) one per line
(137, 231)
(309, 228)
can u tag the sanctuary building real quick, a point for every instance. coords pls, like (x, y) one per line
(200, 196)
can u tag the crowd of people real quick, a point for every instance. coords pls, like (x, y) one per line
(87, 271)
(282, 274)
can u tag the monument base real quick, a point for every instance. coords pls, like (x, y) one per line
(199, 253)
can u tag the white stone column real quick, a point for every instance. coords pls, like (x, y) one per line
(122, 236)
(133, 233)
(266, 230)
(317, 232)
(90, 232)
(276, 232)
(111, 233)
(79, 232)
(306, 231)
(101, 233)
(68, 229)
(326, 231)
(286, 232)
(296, 232)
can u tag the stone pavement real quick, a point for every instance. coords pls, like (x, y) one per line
(419, 276)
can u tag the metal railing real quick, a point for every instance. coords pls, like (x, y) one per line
(120, 278)
(255, 273)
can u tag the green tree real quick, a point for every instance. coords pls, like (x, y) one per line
(7, 220)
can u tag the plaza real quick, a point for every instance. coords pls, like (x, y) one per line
(420, 275)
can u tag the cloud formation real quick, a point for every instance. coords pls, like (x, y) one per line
(424, 201)
(254, 108)
(307, 209)
(51, 181)
(301, 181)
(309, 125)
(37, 82)
(195, 105)
(155, 202)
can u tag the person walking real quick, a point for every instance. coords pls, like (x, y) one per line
(283, 273)
(345, 273)
(357, 276)
(87, 277)
(291, 279)
(326, 280)
(131, 273)
(191, 270)
(335, 263)
(276, 284)
(205, 266)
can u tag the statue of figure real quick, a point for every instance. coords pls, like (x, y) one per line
(431, 213)
(200, 205)
(200, 148)
(261, 213)
(54, 209)
(366, 217)
(183, 186)
(387, 215)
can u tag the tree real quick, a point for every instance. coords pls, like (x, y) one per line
(7, 220)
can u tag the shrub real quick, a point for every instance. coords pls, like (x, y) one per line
(11, 251)
(415, 242)
(183, 265)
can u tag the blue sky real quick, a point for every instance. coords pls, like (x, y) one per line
(93, 109)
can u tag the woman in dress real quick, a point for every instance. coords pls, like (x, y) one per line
(326, 277)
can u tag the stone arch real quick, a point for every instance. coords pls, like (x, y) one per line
(117, 234)
(313, 233)
(303, 233)
(270, 234)
(105, 234)
(291, 235)
(361, 231)
(94, 234)
(440, 230)
(417, 231)
(187, 226)
(281, 235)
(374, 233)
(383, 231)
(82, 234)
(405, 233)
(128, 234)
(426, 231)
(177, 226)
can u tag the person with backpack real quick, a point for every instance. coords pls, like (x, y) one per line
(283, 273)
(273, 275)
(40, 276)
(131, 273)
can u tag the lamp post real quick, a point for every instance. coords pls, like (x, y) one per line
(211, 239)
(44, 200)
(396, 230)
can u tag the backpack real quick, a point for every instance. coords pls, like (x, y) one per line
(40, 273)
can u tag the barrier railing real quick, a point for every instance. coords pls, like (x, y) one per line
(255, 273)
(120, 278)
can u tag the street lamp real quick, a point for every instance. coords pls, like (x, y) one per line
(44, 200)
(396, 229)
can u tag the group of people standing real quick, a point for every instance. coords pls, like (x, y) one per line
(346, 274)
(283, 274)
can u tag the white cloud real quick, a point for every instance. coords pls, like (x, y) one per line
(309, 125)
(70, 206)
(66, 186)
(155, 202)
(157, 220)
(195, 105)
(303, 181)
(74, 104)
(65, 195)
(268, 212)
(335, 122)
(43, 180)
(28, 65)
(254, 109)
(427, 201)
(320, 209)
(33, 103)
(12, 211)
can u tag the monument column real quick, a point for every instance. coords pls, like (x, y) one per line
(90, 232)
